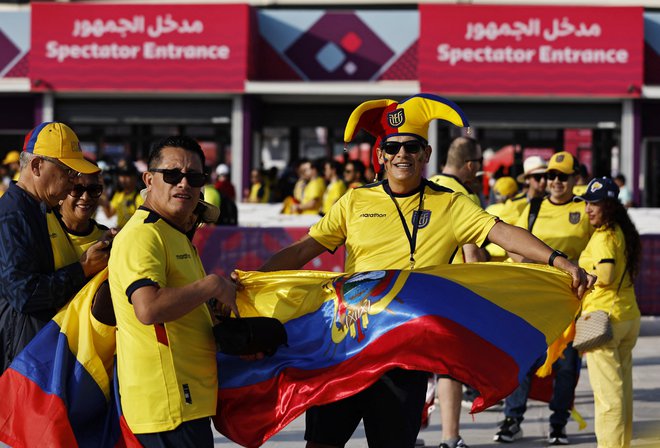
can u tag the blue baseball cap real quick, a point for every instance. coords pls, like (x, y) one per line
(598, 189)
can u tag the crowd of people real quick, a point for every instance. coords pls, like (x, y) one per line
(50, 245)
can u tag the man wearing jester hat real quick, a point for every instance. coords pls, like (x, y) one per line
(403, 222)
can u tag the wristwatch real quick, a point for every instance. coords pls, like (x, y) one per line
(556, 253)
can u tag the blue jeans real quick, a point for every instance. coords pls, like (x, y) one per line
(565, 370)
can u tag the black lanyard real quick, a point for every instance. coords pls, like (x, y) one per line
(412, 238)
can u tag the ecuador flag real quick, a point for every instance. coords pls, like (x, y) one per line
(483, 324)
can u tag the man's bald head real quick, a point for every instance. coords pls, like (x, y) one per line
(461, 150)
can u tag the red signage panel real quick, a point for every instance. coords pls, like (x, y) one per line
(531, 50)
(77, 46)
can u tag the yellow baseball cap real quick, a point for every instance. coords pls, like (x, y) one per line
(506, 186)
(563, 162)
(58, 141)
(11, 157)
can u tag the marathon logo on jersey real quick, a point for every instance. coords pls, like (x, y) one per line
(424, 218)
(373, 215)
(183, 256)
(574, 217)
(396, 118)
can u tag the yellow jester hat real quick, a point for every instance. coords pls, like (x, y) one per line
(386, 118)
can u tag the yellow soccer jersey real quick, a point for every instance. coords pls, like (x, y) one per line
(64, 253)
(167, 372)
(81, 242)
(454, 184)
(332, 194)
(366, 220)
(561, 226)
(608, 246)
(513, 208)
(314, 190)
(259, 193)
(298, 189)
(125, 205)
(495, 251)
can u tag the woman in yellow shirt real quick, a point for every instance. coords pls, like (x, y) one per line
(613, 254)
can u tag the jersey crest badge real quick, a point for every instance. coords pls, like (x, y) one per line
(424, 218)
(396, 118)
(574, 217)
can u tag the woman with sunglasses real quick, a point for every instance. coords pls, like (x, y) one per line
(613, 253)
(77, 210)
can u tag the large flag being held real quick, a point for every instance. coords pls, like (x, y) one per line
(483, 324)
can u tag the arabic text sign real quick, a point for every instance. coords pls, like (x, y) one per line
(139, 47)
(542, 50)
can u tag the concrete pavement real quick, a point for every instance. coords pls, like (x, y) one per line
(478, 430)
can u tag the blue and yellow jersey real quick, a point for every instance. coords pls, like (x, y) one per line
(167, 372)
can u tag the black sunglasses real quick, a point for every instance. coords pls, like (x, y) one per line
(563, 177)
(93, 190)
(538, 177)
(411, 147)
(174, 176)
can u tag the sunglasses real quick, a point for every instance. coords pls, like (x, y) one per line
(538, 177)
(411, 147)
(563, 177)
(174, 176)
(93, 190)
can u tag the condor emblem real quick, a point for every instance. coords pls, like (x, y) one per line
(574, 217)
(396, 118)
(424, 218)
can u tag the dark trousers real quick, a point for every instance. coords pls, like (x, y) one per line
(566, 370)
(193, 434)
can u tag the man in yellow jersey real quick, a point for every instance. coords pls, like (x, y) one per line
(332, 171)
(404, 222)
(126, 199)
(312, 198)
(39, 268)
(165, 348)
(259, 192)
(464, 161)
(564, 225)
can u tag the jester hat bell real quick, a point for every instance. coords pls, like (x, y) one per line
(386, 118)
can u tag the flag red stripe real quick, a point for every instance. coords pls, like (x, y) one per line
(36, 418)
(466, 357)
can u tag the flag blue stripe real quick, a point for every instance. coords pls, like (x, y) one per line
(422, 294)
(48, 362)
